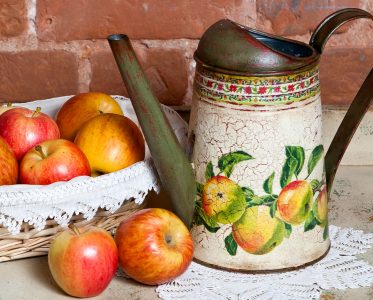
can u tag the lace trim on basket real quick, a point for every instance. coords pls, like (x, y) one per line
(84, 194)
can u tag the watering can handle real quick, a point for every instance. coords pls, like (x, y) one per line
(331, 23)
(351, 121)
(362, 100)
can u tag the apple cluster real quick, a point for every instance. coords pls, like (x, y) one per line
(90, 136)
(152, 246)
(260, 223)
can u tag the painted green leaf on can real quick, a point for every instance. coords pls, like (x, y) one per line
(230, 244)
(268, 183)
(227, 162)
(298, 154)
(316, 155)
(288, 171)
(310, 222)
(209, 171)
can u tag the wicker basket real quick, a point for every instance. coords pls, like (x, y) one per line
(31, 242)
(32, 215)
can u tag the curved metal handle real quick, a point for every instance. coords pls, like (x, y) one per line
(359, 105)
(331, 23)
(352, 119)
(170, 160)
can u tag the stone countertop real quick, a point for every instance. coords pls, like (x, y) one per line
(351, 205)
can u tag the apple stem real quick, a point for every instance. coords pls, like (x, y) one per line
(9, 104)
(101, 112)
(74, 228)
(40, 150)
(36, 112)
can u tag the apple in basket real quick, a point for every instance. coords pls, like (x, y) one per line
(80, 108)
(23, 128)
(51, 161)
(83, 261)
(8, 164)
(111, 142)
(154, 246)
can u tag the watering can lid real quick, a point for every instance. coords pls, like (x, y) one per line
(235, 49)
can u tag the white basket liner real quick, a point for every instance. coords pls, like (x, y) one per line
(61, 200)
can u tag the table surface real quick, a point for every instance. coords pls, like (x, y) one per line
(350, 206)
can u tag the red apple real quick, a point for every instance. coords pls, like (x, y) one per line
(23, 128)
(154, 246)
(8, 164)
(51, 161)
(83, 262)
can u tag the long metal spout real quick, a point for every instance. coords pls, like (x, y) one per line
(174, 169)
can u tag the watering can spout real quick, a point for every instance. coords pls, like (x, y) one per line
(170, 160)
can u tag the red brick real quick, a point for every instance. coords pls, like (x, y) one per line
(342, 72)
(63, 20)
(359, 35)
(32, 75)
(166, 70)
(13, 18)
(289, 17)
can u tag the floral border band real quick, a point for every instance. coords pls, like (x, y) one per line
(257, 90)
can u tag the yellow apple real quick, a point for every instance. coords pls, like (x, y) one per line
(110, 142)
(80, 108)
(257, 232)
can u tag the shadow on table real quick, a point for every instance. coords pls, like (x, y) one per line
(38, 269)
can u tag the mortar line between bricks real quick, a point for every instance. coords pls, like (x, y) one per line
(31, 18)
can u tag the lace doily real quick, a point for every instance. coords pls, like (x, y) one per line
(339, 269)
(84, 194)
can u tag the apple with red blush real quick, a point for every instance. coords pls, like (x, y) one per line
(23, 128)
(154, 246)
(52, 161)
(83, 260)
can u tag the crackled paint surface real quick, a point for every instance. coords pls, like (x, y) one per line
(219, 128)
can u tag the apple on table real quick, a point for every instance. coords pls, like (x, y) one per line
(83, 261)
(154, 246)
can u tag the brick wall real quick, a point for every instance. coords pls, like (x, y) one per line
(57, 47)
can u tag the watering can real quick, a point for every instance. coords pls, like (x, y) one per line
(257, 195)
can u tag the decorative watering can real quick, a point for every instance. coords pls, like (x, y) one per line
(257, 197)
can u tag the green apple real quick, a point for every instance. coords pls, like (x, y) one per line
(320, 207)
(223, 199)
